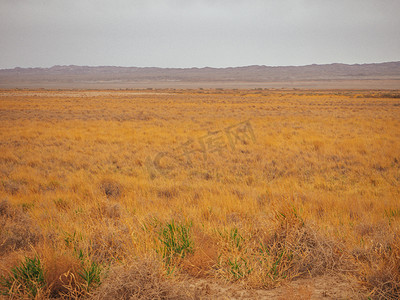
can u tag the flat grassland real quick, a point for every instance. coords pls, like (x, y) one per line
(199, 193)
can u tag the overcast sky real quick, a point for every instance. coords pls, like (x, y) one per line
(197, 33)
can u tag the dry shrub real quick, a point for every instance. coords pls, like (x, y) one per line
(106, 209)
(204, 258)
(17, 230)
(11, 187)
(57, 266)
(375, 235)
(112, 239)
(168, 192)
(71, 286)
(110, 242)
(364, 229)
(113, 211)
(381, 272)
(292, 249)
(140, 280)
(4, 207)
(62, 204)
(313, 254)
(110, 188)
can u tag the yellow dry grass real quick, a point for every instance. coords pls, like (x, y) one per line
(275, 184)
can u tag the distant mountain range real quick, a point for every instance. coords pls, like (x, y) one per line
(81, 75)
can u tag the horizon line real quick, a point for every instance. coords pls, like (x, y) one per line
(206, 67)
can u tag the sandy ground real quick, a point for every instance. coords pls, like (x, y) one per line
(323, 287)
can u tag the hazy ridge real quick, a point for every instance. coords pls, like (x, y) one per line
(62, 75)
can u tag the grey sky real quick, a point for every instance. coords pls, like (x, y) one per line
(197, 33)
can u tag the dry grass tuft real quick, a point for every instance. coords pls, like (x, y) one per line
(205, 257)
(57, 266)
(107, 209)
(140, 280)
(113, 210)
(11, 187)
(168, 193)
(110, 244)
(110, 188)
(381, 273)
(4, 207)
(313, 254)
(17, 229)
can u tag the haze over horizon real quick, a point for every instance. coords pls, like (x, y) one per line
(197, 33)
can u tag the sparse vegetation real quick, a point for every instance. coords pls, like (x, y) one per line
(108, 194)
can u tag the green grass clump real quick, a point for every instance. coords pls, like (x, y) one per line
(91, 271)
(27, 278)
(239, 268)
(91, 275)
(176, 242)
